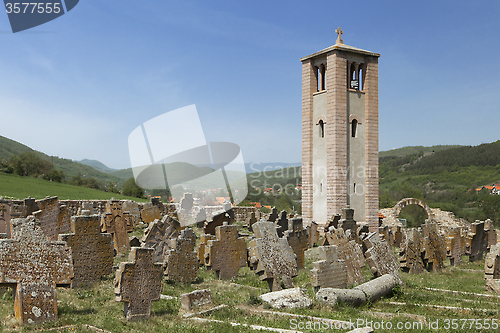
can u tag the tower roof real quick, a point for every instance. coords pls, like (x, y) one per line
(339, 45)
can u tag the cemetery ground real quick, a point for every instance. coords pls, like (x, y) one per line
(94, 309)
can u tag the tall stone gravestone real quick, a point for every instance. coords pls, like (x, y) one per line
(329, 272)
(298, 239)
(380, 257)
(92, 251)
(138, 283)
(36, 265)
(159, 236)
(271, 257)
(182, 263)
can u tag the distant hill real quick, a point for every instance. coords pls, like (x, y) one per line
(97, 165)
(10, 147)
(404, 151)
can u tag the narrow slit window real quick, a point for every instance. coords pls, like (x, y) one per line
(361, 79)
(321, 129)
(354, 128)
(354, 188)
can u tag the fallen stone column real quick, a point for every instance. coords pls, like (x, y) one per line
(369, 291)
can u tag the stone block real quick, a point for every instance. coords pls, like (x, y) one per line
(182, 263)
(329, 272)
(410, 259)
(36, 265)
(298, 239)
(196, 300)
(217, 221)
(138, 283)
(287, 299)
(159, 236)
(380, 257)
(271, 257)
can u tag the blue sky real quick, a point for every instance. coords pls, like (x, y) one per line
(77, 86)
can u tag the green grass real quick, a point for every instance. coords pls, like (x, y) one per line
(17, 187)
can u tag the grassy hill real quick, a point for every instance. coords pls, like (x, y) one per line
(17, 187)
(400, 152)
(97, 165)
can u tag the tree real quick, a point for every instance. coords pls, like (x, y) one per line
(130, 188)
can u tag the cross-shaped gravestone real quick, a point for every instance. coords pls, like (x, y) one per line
(380, 257)
(36, 265)
(138, 283)
(182, 263)
(273, 215)
(216, 221)
(117, 226)
(410, 253)
(200, 251)
(347, 252)
(298, 238)
(159, 236)
(92, 250)
(271, 257)
(339, 36)
(151, 211)
(227, 253)
(282, 224)
(329, 272)
(435, 247)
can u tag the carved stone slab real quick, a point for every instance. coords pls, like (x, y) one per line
(271, 257)
(159, 235)
(347, 252)
(201, 249)
(117, 223)
(298, 238)
(182, 263)
(329, 272)
(434, 247)
(138, 283)
(36, 265)
(217, 220)
(492, 263)
(227, 253)
(197, 299)
(150, 212)
(282, 224)
(92, 250)
(380, 257)
(410, 259)
(478, 241)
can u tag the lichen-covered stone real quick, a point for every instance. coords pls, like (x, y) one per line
(138, 283)
(159, 236)
(380, 257)
(227, 253)
(182, 263)
(36, 265)
(298, 239)
(92, 250)
(287, 299)
(196, 300)
(271, 257)
(410, 259)
(329, 272)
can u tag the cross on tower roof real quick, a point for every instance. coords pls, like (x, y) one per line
(339, 36)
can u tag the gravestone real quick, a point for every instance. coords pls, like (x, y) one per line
(347, 221)
(491, 234)
(217, 221)
(312, 230)
(202, 246)
(151, 211)
(298, 239)
(380, 257)
(133, 208)
(282, 224)
(138, 283)
(201, 216)
(492, 263)
(182, 263)
(455, 245)
(271, 257)
(196, 300)
(4, 217)
(347, 251)
(434, 249)
(48, 215)
(36, 265)
(159, 236)
(478, 241)
(273, 215)
(92, 251)
(64, 220)
(333, 222)
(251, 220)
(116, 225)
(187, 201)
(410, 259)
(329, 272)
(227, 253)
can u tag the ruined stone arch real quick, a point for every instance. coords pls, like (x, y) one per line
(412, 201)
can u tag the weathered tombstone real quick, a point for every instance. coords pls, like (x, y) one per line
(478, 241)
(491, 234)
(227, 253)
(201, 216)
(492, 263)
(133, 208)
(333, 222)
(196, 300)
(329, 272)
(92, 250)
(410, 259)
(5, 217)
(380, 257)
(347, 252)
(64, 220)
(182, 263)
(274, 215)
(159, 236)
(298, 239)
(151, 211)
(398, 235)
(282, 224)
(48, 215)
(36, 265)
(271, 257)
(216, 221)
(347, 221)
(138, 283)
(202, 246)
(251, 220)
(187, 201)
(312, 230)
(455, 246)
(434, 247)
(117, 226)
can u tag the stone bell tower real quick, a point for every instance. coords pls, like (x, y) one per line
(340, 133)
